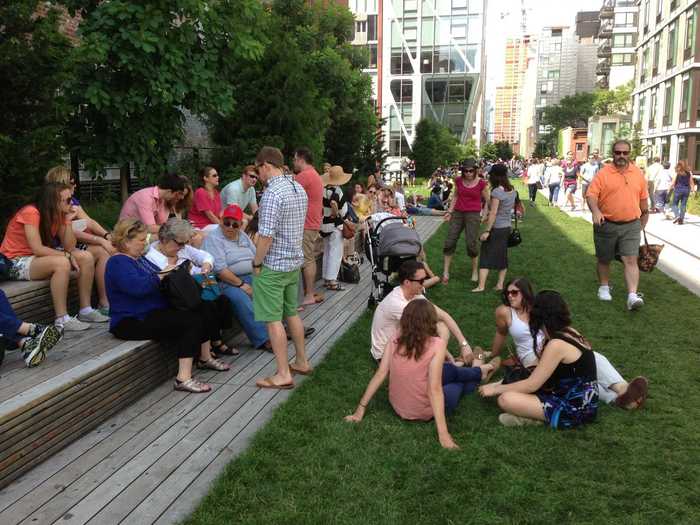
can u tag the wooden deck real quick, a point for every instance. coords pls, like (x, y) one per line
(153, 461)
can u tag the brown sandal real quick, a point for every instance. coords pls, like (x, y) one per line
(213, 364)
(192, 386)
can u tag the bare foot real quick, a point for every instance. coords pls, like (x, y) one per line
(477, 289)
(475, 278)
(445, 278)
(486, 370)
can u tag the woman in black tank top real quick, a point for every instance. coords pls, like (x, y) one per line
(562, 390)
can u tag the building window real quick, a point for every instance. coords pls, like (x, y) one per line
(624, 20)
(672, 44)
(402, 90)
(690, 29)
(623, 59)
(674, 4)
(668, 103)
(553, 74)
(657, 52)
(361, 27)
(659, 10)
(371, 27)
(400, 63)
(665, 148)
(682, 148)
(436, 90)
(652, 109)
(372, 56)
(697, 152)
(645, 65)
(686, 89)
(624, 40)
(647, 8)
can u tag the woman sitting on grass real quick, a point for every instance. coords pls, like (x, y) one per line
(562, 389)
(422, 386)
(513, 318)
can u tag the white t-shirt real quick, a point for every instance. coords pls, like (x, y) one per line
(400, 201)
(534, 173)
(653, 171)
(663, 180)
(233, 194)
(386, 319)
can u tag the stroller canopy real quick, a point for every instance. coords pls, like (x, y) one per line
(397, 239)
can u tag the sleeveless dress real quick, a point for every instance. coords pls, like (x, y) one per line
(570, 396)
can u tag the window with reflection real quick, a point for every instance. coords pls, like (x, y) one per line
(402, 90)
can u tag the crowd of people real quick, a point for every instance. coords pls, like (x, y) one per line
(248, 254)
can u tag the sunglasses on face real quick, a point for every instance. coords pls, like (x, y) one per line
(232, 224)
(419, 281)
(513, 293)
(253, 176)
(180, 244)
(625, 153)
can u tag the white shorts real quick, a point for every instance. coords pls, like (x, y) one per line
(20, 268)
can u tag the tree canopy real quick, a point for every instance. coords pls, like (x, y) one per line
(434, 146)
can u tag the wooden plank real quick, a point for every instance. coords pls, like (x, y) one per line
(72, 430)
(30, 481)
(181, 504)
(147, 445)
(216, 450)
(139, 483)
(44, 418)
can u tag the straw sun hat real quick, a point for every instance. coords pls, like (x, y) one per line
(335, 176)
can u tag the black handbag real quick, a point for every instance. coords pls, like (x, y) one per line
(180, 288)
(5, 267)
(514, 239)
(349, 271)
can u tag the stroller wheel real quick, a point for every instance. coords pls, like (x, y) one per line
(371, 302)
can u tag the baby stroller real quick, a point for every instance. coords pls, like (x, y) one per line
(388, 244)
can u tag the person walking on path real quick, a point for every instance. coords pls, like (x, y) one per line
(535, 172)
(310, 180)
(278, 258)
(494, 240)
(553, 176)
(464, 213)
(241, 192)
(571, 171)
(651, 173)
(618, 199)
(588, 170)
(683, 185)
(662, 186)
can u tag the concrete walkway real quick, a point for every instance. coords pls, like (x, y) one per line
(680, 258)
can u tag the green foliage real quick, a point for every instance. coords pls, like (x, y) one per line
(573, 111)
(141, 63)
(468, 150)
(489, 151)
(542, 149)
(504, 150)
(610, 102)
(35, 63)
(306, 90)
(434, 146)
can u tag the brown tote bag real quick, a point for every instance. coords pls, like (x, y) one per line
(648, 254)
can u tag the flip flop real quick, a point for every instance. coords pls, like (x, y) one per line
(307, 332)
(267, 383)
(300, 371)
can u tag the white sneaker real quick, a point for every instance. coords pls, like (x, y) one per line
(509, 420)
(93, 317)
(604, 293)
(73, 325)
(634, 301)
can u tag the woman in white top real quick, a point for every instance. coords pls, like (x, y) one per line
(553, 176)
(170, 251)
(662, 185)
(513, 318)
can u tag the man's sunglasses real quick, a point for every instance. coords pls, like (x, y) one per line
(252, 175)
(618, 152)
(232, 224)
(419, 281)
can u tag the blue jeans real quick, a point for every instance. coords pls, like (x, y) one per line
(660, 199)
(458, 382)
(9, 322)
(680, 201)
(554, 192)
(243, 308)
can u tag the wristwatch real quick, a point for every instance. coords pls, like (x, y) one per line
(257, 265)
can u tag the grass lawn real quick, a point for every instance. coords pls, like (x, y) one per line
(309, 466)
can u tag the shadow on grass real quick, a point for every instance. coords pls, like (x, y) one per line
(309, 466)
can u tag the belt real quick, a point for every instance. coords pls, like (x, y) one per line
(621, 222)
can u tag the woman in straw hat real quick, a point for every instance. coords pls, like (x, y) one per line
(335, 210)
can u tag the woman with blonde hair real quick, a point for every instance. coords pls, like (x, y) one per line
(141, 312)
(90, 234)
(682, 186)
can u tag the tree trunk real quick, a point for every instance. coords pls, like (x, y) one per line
(124, 176)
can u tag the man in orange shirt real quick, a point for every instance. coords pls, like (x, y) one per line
(618, 199)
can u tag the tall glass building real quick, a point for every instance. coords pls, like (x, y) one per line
(430, 65)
